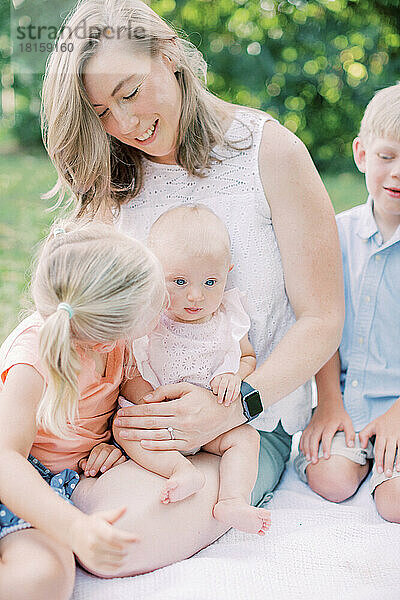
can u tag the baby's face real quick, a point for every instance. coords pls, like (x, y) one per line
(195, 284)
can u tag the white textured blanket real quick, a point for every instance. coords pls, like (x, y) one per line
(315, 550)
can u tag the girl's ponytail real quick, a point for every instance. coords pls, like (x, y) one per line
(92, 285)
(60, 359)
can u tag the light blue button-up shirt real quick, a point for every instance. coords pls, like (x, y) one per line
(370, 346)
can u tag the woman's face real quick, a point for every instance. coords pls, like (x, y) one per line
(137, 98)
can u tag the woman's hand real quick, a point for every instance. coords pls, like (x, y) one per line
(192, 414)
(97, 543)
(227, 387)
(101, 458)
(328, 418)
(386, 428)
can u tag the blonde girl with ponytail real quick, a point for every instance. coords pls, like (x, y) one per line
(61, 369)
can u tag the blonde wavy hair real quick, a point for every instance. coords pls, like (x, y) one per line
(382, 115)
(100, 169)
(112, 283)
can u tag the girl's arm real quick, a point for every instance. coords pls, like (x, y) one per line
(26, 493)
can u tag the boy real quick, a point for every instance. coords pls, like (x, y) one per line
(359, 388)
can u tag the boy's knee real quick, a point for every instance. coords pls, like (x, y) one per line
(333, 481)
(387, 500)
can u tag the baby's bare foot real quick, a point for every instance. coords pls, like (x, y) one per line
(240, 515)
(182, 484)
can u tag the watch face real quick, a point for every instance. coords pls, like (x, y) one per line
(253, 402)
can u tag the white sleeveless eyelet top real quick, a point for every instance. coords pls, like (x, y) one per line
(234, 191)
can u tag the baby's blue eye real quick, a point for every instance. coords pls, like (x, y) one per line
(210, 282)
(180, 281)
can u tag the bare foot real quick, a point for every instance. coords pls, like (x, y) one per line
(240, 515)
(182, 483)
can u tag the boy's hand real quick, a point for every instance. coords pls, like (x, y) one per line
(98, 544)
(386, 428)
(101, 458)
(227, 387)
(325, 422)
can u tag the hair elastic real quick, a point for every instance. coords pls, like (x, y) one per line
(58, 230)
(67, 307)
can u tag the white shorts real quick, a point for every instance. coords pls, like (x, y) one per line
(356, 454)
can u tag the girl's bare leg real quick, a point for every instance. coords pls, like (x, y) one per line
(34, 567)
(167, 532)
(239, 449)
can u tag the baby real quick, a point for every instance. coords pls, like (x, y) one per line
(201, 338)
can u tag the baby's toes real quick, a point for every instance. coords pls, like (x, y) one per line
(165, 499)
(265, 518)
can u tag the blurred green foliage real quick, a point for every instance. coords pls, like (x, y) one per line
(312, 64)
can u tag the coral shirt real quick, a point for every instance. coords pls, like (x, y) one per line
(97, 403)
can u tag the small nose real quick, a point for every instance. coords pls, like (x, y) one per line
(195, 293)
(127, 121)
(396, 168)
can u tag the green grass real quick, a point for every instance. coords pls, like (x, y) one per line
(24, 220)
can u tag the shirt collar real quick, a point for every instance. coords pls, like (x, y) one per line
(367, 226)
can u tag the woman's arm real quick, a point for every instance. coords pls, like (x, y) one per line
(307, 237)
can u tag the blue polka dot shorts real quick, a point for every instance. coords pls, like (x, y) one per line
(62, 483)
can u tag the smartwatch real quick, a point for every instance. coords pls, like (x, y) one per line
(251, 401)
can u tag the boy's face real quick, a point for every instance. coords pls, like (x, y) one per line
(379, 159)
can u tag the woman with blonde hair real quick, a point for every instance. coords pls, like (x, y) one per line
(132, 130)
(61, 369)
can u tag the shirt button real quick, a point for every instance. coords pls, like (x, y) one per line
(378, 257)
(367, 298)
(354, 383)
(361, 340)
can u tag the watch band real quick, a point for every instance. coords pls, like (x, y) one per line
(251, 401)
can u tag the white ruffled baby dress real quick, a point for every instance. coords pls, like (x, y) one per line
(194, 352)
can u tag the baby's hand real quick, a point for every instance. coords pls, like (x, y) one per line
(227, 387)
(98, 544)
(101, 458)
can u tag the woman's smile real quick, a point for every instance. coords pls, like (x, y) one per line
(149, 135)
